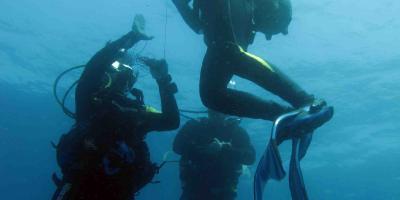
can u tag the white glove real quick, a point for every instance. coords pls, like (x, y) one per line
(139, 26)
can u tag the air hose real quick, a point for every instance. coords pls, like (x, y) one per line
(68, 112)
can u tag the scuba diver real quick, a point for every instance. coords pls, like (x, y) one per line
(229, 27)
(212, 151)
(104, 156)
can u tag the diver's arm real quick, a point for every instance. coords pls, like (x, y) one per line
(240, 149)
(189, 15)
(95, 69)
(169, 118)
(111, 52)
(98, 64)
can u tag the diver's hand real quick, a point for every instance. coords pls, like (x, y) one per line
(158, 68)
(138, 27)
(216, 147)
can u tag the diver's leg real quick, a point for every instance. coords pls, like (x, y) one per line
(215, 76)
(270, 78)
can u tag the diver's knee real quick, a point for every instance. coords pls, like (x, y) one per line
(206, 99)
(211, 99)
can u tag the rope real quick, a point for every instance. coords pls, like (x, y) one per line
(165, 30)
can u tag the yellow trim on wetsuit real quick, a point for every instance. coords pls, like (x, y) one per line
(258, 59)
(150, 109)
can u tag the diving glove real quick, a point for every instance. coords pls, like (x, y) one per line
(138, 28)
(159, 71)
(158, 68)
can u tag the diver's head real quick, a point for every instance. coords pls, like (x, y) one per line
(272, 17)
(122, 75)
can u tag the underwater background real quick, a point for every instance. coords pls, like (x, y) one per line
(346, 51)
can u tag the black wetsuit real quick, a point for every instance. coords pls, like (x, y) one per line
(212, 177)
(227, 29)
(109, 121)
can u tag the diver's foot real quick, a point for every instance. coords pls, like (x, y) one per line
(306, 121)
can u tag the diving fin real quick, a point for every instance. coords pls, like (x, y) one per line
(269, 167)
(298, 126)
(296, 183)
(304, 122)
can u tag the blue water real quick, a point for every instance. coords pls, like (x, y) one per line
(347, 51)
